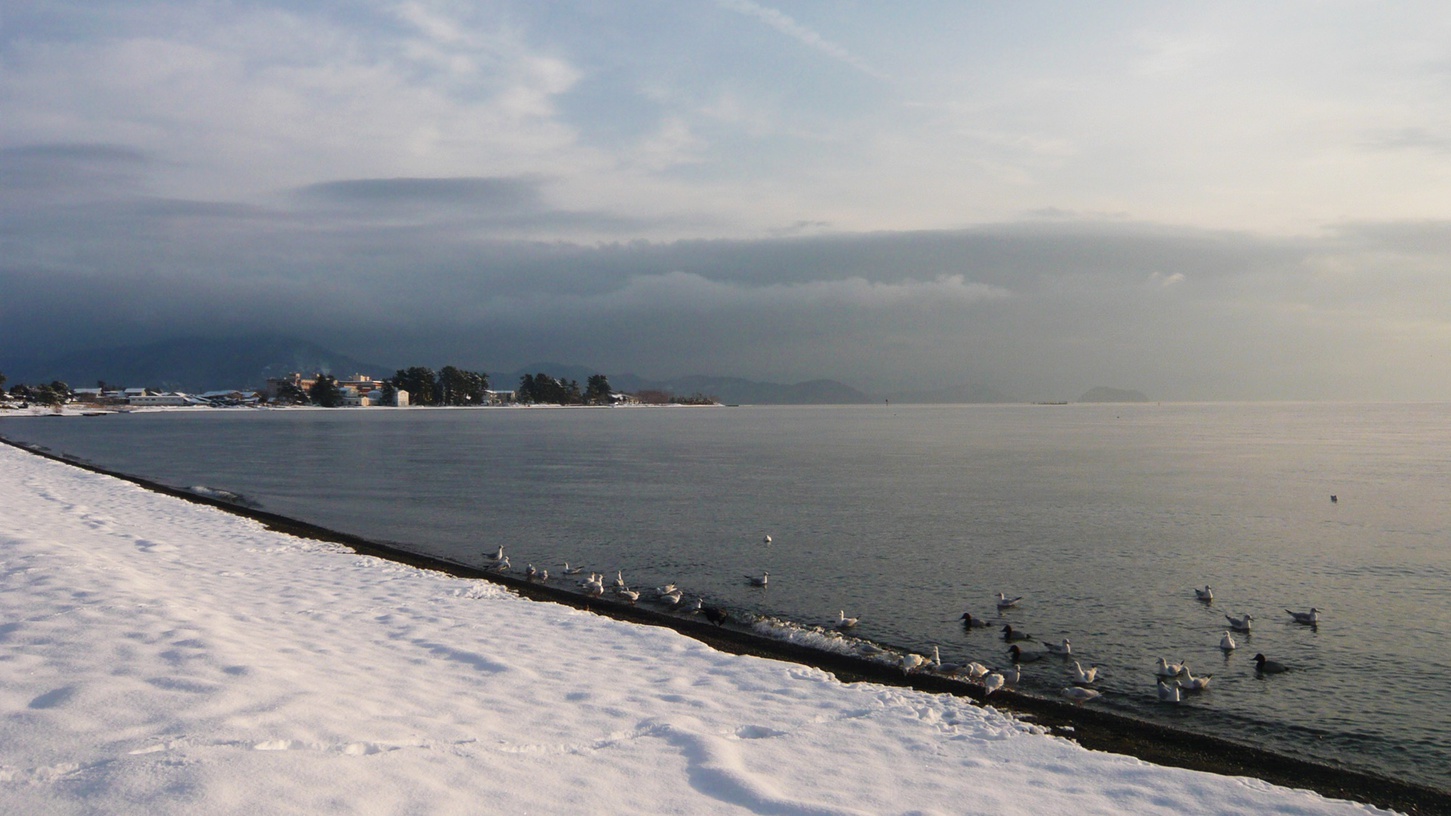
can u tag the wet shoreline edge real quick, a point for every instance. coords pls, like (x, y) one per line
(1093, 729)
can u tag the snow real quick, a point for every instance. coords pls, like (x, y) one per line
(158, 656)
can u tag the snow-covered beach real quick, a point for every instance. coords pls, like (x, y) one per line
(158, 656)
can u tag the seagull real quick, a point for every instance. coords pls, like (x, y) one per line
(671, 599)
(759, 581)
(1240, 624)
(1020, 656)
(844, 623)
(594, 589)
(544, 576)
(1084, 676)
(1010, 635)
(716, 615)
(530, 573)
(1168, 693)
(665, 590)
(502, 565)
(1189, 682)
(1081, 695)
(1011, 675)
(619, 579)
(1167, 669)
(1312, 617)
(1264, 666)
(945, 668)
(1065, 648)
(628, 594)
(767, 540)
(1206, 594)
(969, 622)
(1005, 602)
(992, 683)
(498, 555)
(975, 670)
(1227, 643)
(912, 662)
(568, 570)
(694, 607)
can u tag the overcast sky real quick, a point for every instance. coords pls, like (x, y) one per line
(1239, 200)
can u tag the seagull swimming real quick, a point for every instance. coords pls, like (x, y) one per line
(766, 540)
(1206, 594)
(1065, 648)
(1312, 617)
(1168, 693)
(1084, 676)
(1189, 682)
(568, 570)
(1264, 666)
(1227, 643)
(1240, 624)
(844, 623)
(1005, 602)
(969, 622)
(1081, 695)
(759, 581)
(1167, 669)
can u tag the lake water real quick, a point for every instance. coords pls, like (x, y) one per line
(1104, 517)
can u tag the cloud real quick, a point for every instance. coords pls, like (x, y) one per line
(489, 193)
(791, 28)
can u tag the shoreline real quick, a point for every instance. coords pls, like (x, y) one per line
(1092, 729)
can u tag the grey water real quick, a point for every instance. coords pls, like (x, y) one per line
(1103, 517)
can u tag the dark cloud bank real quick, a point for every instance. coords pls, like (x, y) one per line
(405, 271)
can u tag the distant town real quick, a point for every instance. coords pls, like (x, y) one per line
(416, 386)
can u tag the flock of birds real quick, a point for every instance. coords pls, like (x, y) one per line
(1173, 681)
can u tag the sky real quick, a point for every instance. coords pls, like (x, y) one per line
(1233, 201)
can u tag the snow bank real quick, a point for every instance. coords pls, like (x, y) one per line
(162, 657)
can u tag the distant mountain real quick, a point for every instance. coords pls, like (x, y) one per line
(971, 393)
(1104, 394)
(191, 364)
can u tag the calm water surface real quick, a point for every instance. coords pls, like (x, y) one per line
(1103, 517)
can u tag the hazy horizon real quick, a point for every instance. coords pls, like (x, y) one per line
(1237, 202)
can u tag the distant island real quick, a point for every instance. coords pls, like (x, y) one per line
(1105, 394)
